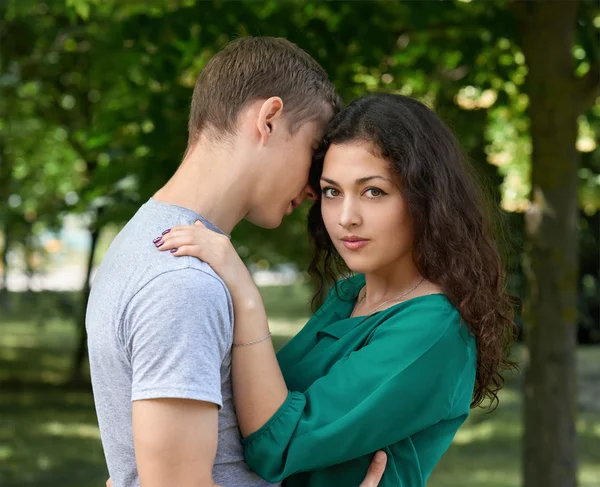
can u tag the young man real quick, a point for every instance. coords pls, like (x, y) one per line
(160, 328)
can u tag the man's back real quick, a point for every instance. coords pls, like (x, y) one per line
(160, 327)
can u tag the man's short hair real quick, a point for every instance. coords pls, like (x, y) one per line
(255, 68)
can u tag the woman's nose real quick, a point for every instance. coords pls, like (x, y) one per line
(349, 215)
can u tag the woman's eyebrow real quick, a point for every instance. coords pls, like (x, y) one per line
(366, 179)
(359, 181)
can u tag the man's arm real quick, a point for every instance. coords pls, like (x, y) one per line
(177, 331)
(175, 442)
(372, 479)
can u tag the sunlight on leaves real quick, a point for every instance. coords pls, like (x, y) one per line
(485, 431)
(5, 452)
(71, 430)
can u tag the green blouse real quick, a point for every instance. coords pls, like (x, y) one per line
(400, 380)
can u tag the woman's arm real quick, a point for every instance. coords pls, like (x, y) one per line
(403, 381)
(258, 385)
(259, 389)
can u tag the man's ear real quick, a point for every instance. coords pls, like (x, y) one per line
(270, 118)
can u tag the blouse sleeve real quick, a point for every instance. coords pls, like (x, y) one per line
(401, 382)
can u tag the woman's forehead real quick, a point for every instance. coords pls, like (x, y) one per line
(353, 161)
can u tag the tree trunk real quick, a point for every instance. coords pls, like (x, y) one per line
(547, 32)
(5, 175)
(4, 295)
(81, 351)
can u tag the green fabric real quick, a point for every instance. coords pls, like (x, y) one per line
(400, 380)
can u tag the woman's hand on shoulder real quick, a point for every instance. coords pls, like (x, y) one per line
(211, 247)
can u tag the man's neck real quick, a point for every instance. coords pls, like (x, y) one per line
(211, 182)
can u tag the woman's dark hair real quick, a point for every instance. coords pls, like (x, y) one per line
(453, 243)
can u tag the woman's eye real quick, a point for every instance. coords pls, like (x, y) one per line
(331, 192)
(374, 193)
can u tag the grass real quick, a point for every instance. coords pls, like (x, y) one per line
(49, 434)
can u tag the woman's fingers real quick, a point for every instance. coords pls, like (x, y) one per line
(191, 250)
(176, 242)
(183, 235)
(177, 229)
(376, 470)
(197, 241)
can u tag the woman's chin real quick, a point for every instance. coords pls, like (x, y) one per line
(359, 266)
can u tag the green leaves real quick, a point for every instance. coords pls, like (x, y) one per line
(82, 7)
(111, 83)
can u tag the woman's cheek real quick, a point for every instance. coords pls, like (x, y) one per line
(328, 215)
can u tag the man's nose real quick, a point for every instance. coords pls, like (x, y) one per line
(307, 193)
(310, 193)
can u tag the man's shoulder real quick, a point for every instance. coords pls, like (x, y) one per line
(180, 302)
(133, 254)
(185, 277)
(189, 273)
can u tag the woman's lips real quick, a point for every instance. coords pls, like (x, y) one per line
(354, 244)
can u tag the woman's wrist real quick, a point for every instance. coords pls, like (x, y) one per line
(242, 288)
(250, 317)
(247, 298)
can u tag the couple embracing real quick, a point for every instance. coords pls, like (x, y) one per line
(188, 388)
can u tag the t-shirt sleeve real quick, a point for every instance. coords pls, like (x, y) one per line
(178, 331)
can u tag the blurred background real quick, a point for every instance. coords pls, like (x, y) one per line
(93, 119)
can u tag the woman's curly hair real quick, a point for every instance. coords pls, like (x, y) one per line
(453, 243)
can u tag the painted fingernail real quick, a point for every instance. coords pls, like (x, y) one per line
(166, 231)
(159, 244)
(156, 240)
(173, 251)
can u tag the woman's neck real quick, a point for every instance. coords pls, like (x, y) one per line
(385, 284)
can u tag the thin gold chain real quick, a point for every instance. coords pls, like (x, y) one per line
(397, 298)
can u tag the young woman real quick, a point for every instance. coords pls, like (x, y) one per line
(400, 351)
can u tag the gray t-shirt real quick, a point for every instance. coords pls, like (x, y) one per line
(160, 326)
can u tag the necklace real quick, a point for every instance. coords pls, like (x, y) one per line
(388, 301)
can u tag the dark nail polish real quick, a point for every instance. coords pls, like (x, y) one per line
(159, 244)
(166, 231)
(156, 240)
(173, 251)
